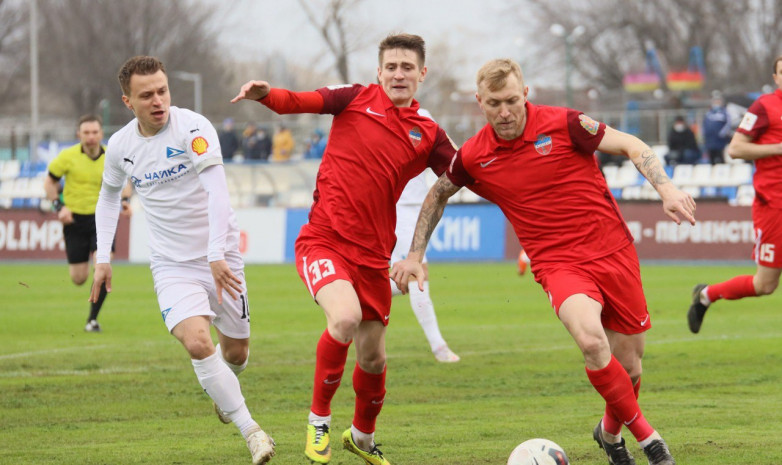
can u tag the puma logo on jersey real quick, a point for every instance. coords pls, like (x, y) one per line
(129, 160)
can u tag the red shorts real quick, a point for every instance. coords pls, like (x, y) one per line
(768, 236)
(323, 257)
(613, 281)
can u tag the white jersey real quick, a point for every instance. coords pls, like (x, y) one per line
(415, 191)
(164, 170)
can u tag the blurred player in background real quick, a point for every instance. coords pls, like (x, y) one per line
(523, 263)
(537, 164)
(407, 209)
(82, 167)
(172, 156)
(378, 142)
(756, 139)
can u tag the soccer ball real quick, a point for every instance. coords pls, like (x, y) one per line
(538, 452)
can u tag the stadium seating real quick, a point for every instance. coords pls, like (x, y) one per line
(731, 181)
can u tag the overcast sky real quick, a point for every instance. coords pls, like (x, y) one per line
(475, 30)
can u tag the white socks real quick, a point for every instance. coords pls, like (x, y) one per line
(363, 440)
(705, 297)
(235, 368)
(424, 312)
(319, 420)
(394, 290)
(222, 385)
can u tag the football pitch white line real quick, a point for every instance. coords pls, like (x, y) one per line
(123, 370)
(46, 373)
(51, 351)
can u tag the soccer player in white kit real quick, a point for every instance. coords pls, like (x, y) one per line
(172, 156)
(407, 208)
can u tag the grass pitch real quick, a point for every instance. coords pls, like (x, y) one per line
(129, 395)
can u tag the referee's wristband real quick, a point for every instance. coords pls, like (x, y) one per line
(125, 199)
(57, 205)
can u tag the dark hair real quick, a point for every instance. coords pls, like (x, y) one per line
(776, 61)
(143, 65)
(406, 42)
(88, 119)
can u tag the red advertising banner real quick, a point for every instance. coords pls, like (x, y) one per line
(33, 235)
(722, 232)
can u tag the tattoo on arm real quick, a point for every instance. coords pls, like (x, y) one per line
(649, 166)
(431, 212)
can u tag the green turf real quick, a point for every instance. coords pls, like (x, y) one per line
(129, 395)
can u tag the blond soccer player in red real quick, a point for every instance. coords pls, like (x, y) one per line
(537, 164)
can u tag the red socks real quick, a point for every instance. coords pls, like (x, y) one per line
(614, 385)
(370, 391)
(610, 423)
(329, 365)
(732, 289)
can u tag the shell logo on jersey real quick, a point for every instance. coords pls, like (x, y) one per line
(199, 145)
(415, 136)
(543, 144)
(589, 124)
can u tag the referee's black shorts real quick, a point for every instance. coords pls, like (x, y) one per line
(81, 238)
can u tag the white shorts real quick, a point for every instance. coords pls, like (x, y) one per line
(406, 217)
(187, 289)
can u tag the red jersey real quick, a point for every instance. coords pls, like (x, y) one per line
(374, 149)
(548, 184)
(763, 124)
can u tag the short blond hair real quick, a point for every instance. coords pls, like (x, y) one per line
(495, 73)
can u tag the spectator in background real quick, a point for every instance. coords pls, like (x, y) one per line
(264, 144)
(282, 144)
(716, 129)
(682, 147)
(317, 144)
(255, 144)
(229, 141)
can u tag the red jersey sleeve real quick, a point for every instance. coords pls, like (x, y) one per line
(283, 101)
(585, 133)
(755, 121)
(337, 98)
(442, 153)
(456, 171)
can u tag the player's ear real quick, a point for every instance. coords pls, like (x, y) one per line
(423, 74)
(126, 101)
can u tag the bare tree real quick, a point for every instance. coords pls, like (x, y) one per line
(738, 39)
(335, 30)
(14, 44)
(84, 42)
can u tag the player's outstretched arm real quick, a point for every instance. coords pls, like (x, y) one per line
(252, 90)
(675, 201)
(101, 275)
(431, 212)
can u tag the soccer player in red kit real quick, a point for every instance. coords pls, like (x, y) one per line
(378, 142)
(759, 139)
(537, 164)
